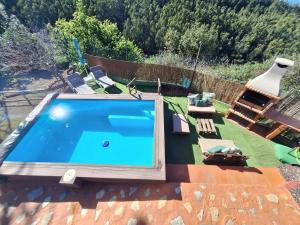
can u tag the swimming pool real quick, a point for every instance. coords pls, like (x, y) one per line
(91, 133)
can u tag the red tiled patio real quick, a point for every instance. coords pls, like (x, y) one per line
(192, 195)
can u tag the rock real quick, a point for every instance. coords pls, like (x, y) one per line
(70, 219)
(135, 206)
(188, 207)
(112, 201)
(100, 194)
(84, 212)
(34, 194)
(47, 218)
(132, 190)
(200, 215)
(46, 201)
(214, 212)
(272, 198)
(122, 193)
(229, 222)
(119, 211)
(20, 218)
(198, 195)
(162, 202)
(212, 197)
(97, 214)
(149, 217)
(177, 221)
(147, 192)
(132, 221)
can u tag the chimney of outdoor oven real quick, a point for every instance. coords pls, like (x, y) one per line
(269, 82)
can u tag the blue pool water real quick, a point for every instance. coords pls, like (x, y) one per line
(74, 131)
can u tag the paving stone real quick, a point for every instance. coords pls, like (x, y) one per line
(132, 221)
(200, 215)
(132, 190)
(70, 219)
(135, 206)
(203, 187)
(100, 194)
(275, 211)
(198, 195)
(107, 223)
(47, 218)
(253, 211)
(162, 202)
(46, 201)
(188, 207)
(34, 194)
(83, 212)
(20, 218)
(214, 212)
(119, 211)
(122, 193)
(272, 198)
(242, 211)
(274, 223)
(148, 204)
(177, 190)
(177, 221)
(245, 194)
(149, 217)
(259, 201)
(112, 201)
(97, 214)
(147, 192)
(212, 197)
(224, 204)
(232, 197)
(62, 195)
(229, 222)
(36, 222)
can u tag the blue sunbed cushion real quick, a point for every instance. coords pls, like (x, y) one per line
(201, 102)
(192, 99)
(216, 149)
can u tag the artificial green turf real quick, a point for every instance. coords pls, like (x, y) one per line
(184, 149)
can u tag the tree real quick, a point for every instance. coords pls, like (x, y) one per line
(94, 36)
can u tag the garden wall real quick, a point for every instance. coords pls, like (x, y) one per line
(225, 91)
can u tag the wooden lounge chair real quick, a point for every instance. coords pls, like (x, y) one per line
(180, 124)
(222, 158)
(101, 79)
(77, 84)
(205, 125)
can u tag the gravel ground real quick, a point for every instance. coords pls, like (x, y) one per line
(292, 173)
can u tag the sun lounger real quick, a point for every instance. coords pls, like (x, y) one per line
(224, 158)
(77, 84)
(180, 124)
(205, 125)
(101, 79)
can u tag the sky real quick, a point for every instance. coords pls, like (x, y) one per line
(294, 1)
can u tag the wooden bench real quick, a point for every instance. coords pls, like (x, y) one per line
(205, 126)
(180, 124)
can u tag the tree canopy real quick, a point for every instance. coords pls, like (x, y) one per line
(237, 30)
(99, 37)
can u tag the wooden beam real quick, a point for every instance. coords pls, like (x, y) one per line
(276, 130)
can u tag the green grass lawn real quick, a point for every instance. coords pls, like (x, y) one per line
(185, 149)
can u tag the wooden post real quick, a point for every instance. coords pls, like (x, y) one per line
(158, 86)
(195, 66)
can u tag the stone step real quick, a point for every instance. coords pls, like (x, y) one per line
(212, 174)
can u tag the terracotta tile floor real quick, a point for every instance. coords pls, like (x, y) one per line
(192, 195)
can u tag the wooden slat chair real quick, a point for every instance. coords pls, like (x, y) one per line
(205, 126)
(180, 124)
(219, 158)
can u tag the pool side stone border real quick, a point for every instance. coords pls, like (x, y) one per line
(97, 172)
